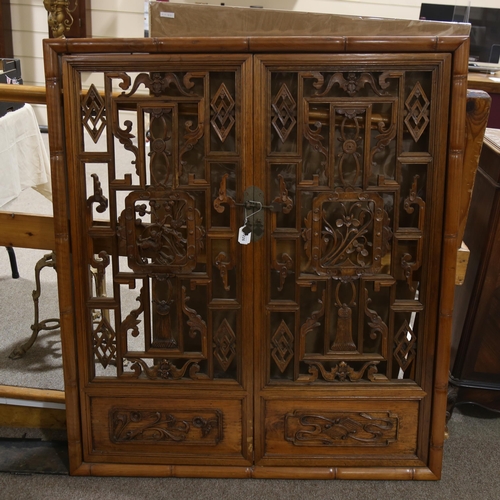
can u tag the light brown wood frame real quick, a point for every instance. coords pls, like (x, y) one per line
(457, 46)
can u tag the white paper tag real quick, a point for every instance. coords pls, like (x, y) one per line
(171, 15)
(243, 238)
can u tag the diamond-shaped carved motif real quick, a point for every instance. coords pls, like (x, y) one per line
(417, 115)
(282, 343)
(222, 112)
(104, 341)
(284, 113)
(405, 342)
(224, 345)
(93, 113)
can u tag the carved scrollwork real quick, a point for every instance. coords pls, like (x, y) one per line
(202, 427)
(191, 137)
(341, 428)
(311, 323)
(378, 329)
(158, 84)
(283, 199)
(315, 139)
(223, 198)
(131, 322)
(352, 83)
(165, 369)
(224, 263)
(98, 196)
(125, 137)
(350, 143)
(342, 372)
(283, 266)
(195, 321)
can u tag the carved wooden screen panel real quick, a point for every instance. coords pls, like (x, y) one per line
(353, 155)
(158, 147)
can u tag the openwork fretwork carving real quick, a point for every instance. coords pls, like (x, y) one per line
(165, 370)
(224, 263)
(192, 427)
(417, 115)
(158, 84)
(282, 346)
(284, 113)
(104, 342)
(222, 112)
(98, 196)
(341, 372)
(195, 322)
(350, 140)
(343, 233)
(93, 113)
(224, 345)
(405, 343)
(283, 265)
(168, 243)
(351, 83)
(341, 428)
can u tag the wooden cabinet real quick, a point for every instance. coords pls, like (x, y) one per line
(320, 348)
(475, 369)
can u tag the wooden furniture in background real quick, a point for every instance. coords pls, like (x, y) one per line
(321, 348)
(489, 83)
(475, 369)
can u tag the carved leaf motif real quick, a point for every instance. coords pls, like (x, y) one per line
(377, 325)
(191, 137)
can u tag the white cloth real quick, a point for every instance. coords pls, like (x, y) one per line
(24, 162)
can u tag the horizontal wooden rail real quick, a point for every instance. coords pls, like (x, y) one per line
(27, 231)
(22, 93)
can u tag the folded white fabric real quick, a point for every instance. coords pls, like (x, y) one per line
(24, 162)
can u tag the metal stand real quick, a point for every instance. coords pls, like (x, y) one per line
(48, 260)
(13, 262)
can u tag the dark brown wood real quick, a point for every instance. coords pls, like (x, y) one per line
(475, 369)
(276, 358)
(6, 48)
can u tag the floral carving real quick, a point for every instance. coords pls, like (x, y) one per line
(165, 369)
(158, 84)
(342, 371)
(352, 83)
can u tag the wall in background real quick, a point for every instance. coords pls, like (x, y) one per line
(125, 18)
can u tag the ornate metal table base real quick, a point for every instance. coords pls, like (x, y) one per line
(48, 260)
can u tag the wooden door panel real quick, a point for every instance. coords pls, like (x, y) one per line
(352, 158)
(166, 430)
(153, 142)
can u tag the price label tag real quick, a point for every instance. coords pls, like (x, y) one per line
(243, 237)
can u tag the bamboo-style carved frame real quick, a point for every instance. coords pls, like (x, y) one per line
(55, 52)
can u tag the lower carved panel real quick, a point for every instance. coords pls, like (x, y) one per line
(344, 430)
(189, 427)
(341, 429)
(160, 428)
